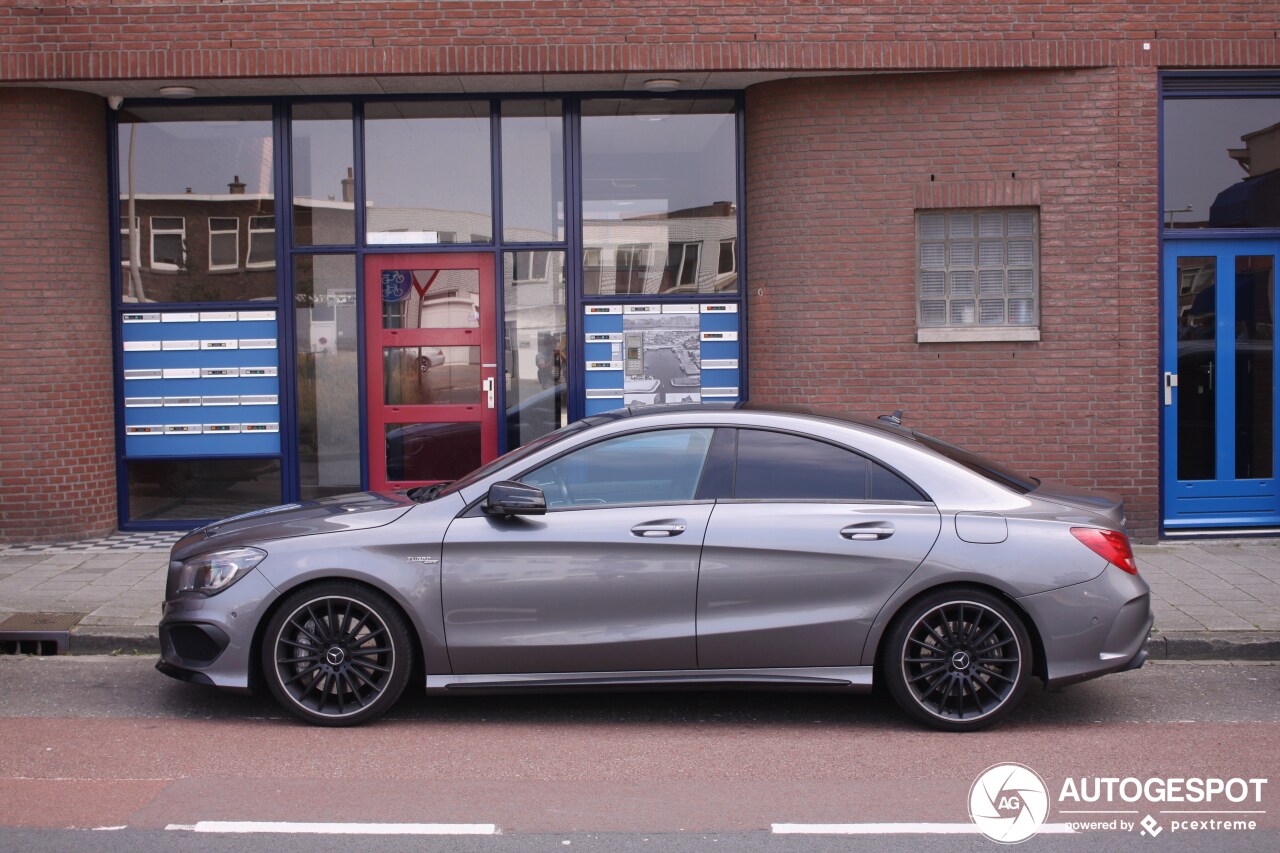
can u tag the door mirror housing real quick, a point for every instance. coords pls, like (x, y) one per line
(511, 498)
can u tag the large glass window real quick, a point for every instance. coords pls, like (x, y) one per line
(193, 490)
(427, 172)
(1221, 163)
(327, 374)
(659, 195)
(324, 183)
(538, 374)
(532, 172)
(181, 167)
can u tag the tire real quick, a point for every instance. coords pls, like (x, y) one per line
(957, 659)
(337, 654)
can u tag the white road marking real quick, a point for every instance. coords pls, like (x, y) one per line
(899, 829)
(247, 826)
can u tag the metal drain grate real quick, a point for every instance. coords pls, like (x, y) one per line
(37, 633)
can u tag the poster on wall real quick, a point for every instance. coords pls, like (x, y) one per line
(641, 355)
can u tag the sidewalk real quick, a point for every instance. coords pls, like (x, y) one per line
(1213, 599)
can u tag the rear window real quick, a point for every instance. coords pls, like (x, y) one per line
(979, 465)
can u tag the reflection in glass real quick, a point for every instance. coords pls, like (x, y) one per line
(181, 169)
(323, 175)
(430, 299)
(439, 451)
(536, 346)
(327, 374)
(427, 172)
(192, 490)
(1197, 318)
(1254, 343)
(1222, 163)
(421, 376)
(659, 196)
(532, 171)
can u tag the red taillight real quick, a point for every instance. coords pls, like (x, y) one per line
(1111, 545)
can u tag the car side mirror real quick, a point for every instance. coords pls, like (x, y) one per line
(510, 498)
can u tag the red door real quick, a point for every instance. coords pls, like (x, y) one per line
(431, 366)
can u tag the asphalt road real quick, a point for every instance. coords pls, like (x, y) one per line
(103, 753)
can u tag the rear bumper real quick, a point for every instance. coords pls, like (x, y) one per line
(1093, 628)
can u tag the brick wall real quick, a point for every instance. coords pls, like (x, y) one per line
(57, 463)
(835, 171)
(157, 39)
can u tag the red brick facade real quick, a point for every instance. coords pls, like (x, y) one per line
(94, 39)
(836, 169)
(57, 444)
(1051, 105)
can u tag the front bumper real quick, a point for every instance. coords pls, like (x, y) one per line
(209, 639)
(1093, 628)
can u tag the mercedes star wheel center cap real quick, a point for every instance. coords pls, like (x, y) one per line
(960, 661)
(335, 656)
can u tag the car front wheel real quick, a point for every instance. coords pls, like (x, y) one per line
(336, 654)
(958, 659)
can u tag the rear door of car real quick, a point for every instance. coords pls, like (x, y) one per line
(605, 581)
(798, 562)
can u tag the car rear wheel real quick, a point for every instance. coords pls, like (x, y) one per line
(337, 654)
(958, 659)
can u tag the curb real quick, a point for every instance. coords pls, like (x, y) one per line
(114, 641)
(1215, 645)
(1176, 645)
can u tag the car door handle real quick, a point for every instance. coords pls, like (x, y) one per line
(673, 527)
(867, 531)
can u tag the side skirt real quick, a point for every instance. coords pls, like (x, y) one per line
(853, 678)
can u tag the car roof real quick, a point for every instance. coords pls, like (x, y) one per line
(765, 408)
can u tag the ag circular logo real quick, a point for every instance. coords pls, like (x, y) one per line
(1008, 803)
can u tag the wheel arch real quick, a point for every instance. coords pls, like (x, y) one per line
(884, 625)
(416, 650)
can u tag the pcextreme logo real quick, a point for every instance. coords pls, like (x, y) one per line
(1008, 803)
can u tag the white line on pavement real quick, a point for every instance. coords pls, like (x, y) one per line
(246, 826)
(899, 829)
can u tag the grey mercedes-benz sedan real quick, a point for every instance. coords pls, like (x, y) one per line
(660, 546)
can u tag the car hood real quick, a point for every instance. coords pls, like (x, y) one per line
(358, 511)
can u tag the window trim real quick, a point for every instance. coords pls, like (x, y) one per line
(949, 332)
(168, 232)
(270, 236)
(234, 232)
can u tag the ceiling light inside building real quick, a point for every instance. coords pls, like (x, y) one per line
(661, 84)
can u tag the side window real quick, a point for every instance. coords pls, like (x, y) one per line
(777, 466)
(888, 486)
(662, 466)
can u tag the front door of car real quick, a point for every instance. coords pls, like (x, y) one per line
(431, 366)
(798, 563)
(605, 581)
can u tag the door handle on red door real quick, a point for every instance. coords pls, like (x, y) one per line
(867, 531)
(667, 527)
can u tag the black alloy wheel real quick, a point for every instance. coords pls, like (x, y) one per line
(337, 654)
(958, 660)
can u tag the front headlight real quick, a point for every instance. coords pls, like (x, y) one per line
(215, 571)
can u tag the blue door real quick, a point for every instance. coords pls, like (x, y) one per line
(1219, 369)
